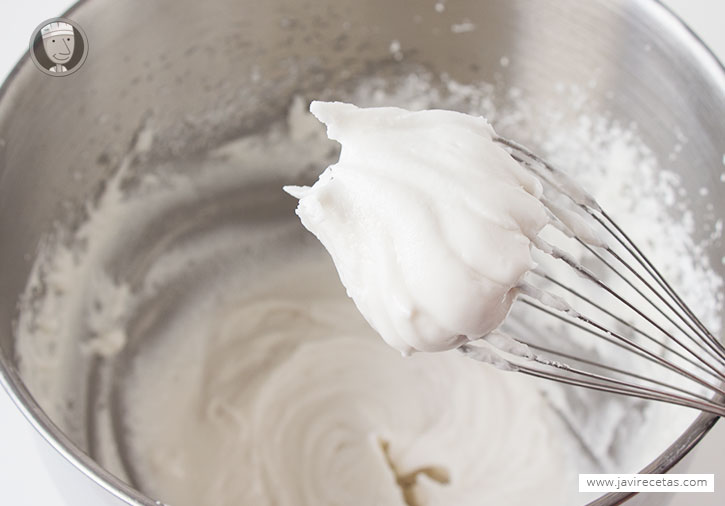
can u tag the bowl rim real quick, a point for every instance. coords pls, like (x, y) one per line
(68, 450)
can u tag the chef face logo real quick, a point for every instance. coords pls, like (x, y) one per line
(58, 47)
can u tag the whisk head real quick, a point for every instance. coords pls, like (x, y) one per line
(618, 301)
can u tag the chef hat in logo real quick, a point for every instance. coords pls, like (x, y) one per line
(57, 29)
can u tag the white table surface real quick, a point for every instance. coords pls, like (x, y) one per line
(24, 480)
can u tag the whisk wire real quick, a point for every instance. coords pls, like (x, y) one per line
(669, 318)
(588, 274)
(589, 330)
(636, 253)
(620, 320)
(636, 391)
(696, 346)
(612, 369)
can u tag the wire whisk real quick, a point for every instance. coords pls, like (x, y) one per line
(627, 304)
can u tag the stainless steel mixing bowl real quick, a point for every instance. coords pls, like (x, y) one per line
(195, 67)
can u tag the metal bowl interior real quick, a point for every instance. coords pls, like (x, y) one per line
(60, 138)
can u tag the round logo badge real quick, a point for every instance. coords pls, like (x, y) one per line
(58, 47)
